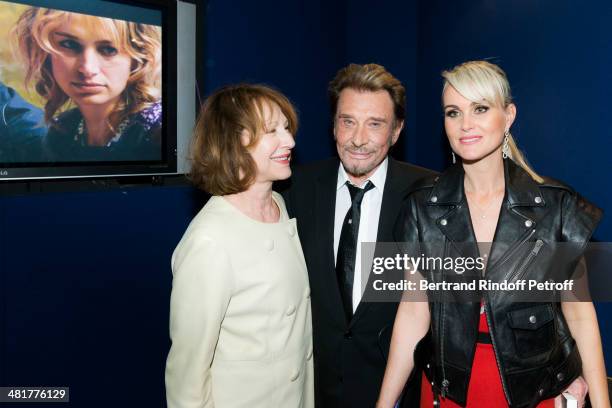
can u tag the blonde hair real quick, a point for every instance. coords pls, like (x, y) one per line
(478, 80)
(142, 42)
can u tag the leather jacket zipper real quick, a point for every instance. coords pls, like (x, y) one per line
(488, 315)
(513, 250)
(515, 275)
(495, 352)
(445, 382)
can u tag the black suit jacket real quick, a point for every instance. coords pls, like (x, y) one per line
(350, 358)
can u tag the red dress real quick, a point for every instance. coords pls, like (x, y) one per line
(485, 387)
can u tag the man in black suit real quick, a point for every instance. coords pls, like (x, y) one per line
(351, 337)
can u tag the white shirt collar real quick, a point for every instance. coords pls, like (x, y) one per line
(377, 178)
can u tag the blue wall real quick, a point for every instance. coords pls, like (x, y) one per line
(85, 278)
(84, 291)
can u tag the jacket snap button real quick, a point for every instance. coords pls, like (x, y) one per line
(427, 365)
(541, 391)
(443, 222)
(528, 223)
(538, 200)
(532, 319)
(434, 199)
(560, 376)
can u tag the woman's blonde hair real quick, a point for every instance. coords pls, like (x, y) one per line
(478, 80)
(32, 44)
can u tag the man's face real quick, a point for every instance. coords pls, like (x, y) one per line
(364, 128)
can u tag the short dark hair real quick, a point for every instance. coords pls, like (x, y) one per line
(372, 78)
(221, 163)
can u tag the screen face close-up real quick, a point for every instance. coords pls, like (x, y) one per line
(80, 82)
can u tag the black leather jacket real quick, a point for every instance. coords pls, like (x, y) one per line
(535, 352)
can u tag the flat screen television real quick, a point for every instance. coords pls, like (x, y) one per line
(90, 88)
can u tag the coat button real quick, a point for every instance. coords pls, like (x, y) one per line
(294, 375)
(291, 230)
(560, 376)
(532, 319)
(427, 365)
(443, 222)
(434, 199)
(538, 200)
(291, 310)
(269, 244)
(541, 392)
(528, 223)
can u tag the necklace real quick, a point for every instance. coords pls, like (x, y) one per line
(483, 210)
(81, 134)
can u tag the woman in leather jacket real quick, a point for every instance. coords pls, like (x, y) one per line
(501, 351)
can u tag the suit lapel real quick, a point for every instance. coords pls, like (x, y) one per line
(393, 192)
(325, 202)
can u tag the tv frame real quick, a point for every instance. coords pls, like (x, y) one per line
(111, 169)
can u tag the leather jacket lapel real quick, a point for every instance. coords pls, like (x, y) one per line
(519, 215)
(517, 221)
(451, 212)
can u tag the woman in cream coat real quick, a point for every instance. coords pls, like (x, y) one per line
(240, 318)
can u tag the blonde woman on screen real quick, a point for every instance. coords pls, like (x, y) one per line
(101, 82)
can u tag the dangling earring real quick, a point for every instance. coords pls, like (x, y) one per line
(454, 158)
(506, 147)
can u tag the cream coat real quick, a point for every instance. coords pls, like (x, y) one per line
(240, 319)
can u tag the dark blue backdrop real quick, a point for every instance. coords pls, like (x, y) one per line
(85, 278)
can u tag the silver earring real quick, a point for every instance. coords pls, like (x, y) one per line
(506, 147)
(454, 158)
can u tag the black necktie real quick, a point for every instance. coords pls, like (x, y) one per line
(347, 248)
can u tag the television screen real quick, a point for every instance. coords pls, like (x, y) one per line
(87, 88)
